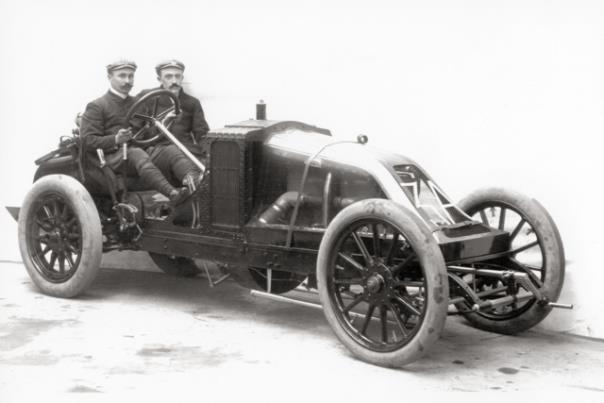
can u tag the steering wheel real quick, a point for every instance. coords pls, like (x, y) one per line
(140, 111)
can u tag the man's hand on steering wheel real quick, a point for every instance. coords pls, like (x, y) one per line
(170, 117)
(123, 136)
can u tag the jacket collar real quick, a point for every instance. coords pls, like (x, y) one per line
(117, 93)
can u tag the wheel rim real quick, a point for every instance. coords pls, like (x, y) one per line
(54, 238)
(526, 254)
(376, 285)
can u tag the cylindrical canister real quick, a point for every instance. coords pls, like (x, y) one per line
(261, 110)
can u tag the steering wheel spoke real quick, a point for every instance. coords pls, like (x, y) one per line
(141, 131)
(146, 118)
(165, 113)
(155, 106)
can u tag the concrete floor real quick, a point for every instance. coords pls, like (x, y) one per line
(148, 332)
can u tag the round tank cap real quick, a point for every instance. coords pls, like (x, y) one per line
(362, 139)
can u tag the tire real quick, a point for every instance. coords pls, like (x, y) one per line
(539, 226)
(59, 217)
(403, 275)
(175, 265)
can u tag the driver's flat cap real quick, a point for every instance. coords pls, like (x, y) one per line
(164, 64)
(121, 64)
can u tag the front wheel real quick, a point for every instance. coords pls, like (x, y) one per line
(60, 236)
(535, 248)
(382, 282)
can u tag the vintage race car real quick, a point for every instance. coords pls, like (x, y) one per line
(283, 204)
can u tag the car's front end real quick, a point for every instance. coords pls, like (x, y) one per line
(359, 171)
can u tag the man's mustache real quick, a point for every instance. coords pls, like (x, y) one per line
(174, 86)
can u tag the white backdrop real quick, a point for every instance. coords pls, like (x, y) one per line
(479, 92)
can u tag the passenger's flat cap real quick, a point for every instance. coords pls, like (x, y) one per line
(164, 64)
(121, 64)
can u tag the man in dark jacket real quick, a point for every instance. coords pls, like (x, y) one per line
(103, 126)
(189, 126)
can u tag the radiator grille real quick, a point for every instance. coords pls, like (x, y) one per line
(225, 174)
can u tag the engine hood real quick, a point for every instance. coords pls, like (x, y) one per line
(401, 179)
(325, 151)
(296, 143)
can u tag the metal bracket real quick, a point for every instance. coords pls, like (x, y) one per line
(211, 281)
(127, 221)
(512, 278)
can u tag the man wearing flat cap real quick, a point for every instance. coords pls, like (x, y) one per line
(104, 126)
(189, 126)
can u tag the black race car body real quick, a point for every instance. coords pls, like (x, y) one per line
(275, 186)
(284, 203)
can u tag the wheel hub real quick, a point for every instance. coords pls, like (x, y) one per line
(375, 283)
(56, 238)
(379, 284)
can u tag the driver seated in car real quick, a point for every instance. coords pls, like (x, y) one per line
(103, 126)
(188, 127)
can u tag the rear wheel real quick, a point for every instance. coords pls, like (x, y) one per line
(60, 236)
(535, 248)
(382, 282)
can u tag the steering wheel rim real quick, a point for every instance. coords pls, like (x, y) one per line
(163, 116)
